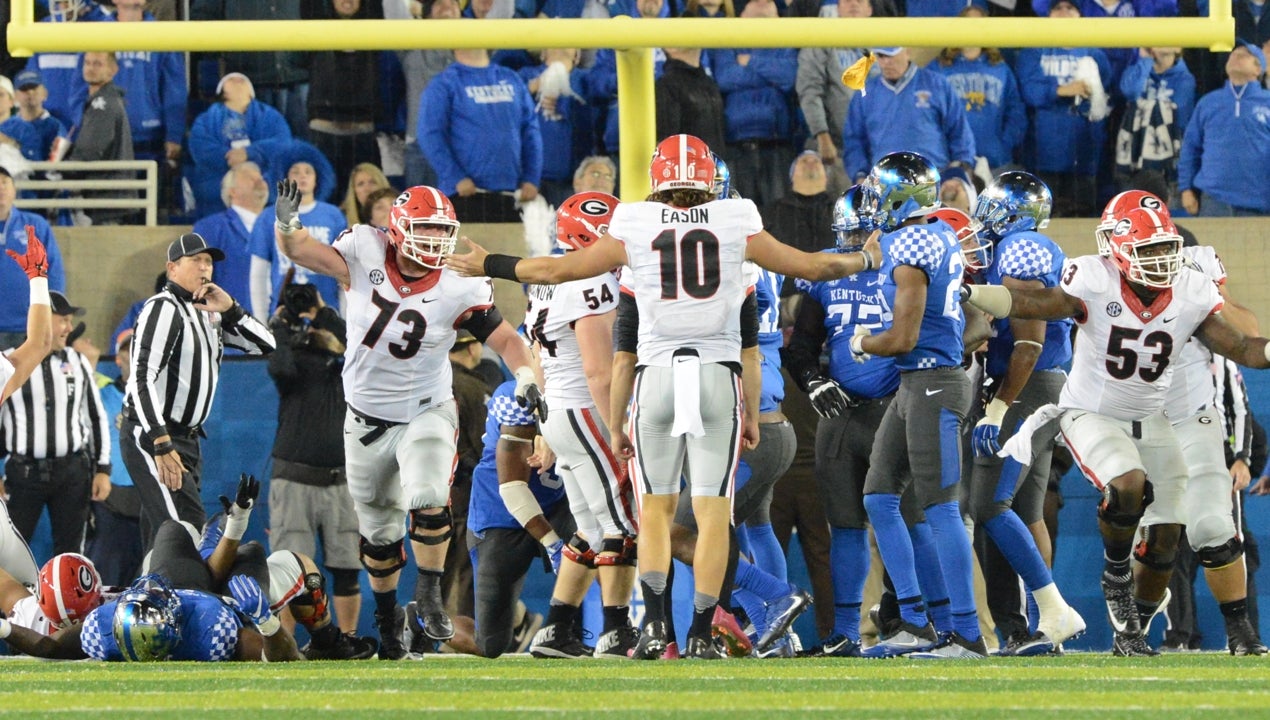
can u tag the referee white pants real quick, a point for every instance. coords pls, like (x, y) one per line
(392, 470)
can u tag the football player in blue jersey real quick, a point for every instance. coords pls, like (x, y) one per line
(1023, 372)
(918, 439)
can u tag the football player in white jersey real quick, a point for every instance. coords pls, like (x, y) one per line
(404, 307)
(1135, 308)
(1194, 412)
(685, 251)
(572, 325)
(18, 364)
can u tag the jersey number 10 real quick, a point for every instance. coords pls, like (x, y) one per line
(691, 262)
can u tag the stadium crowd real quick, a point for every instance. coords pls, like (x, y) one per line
(854, 270)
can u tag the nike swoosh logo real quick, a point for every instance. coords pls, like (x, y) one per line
(1115, 624)
(426, 300)
(930, 392)
(1170, 319)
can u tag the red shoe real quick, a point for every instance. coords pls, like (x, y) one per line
(725, 627)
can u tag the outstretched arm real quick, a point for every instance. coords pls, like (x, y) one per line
(39, 320)
(1028, 304)
(297, 244)
(64, 645)
(598, 258)
(1223, 338)
(772, 254)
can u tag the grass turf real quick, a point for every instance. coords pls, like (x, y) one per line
(1078, 685)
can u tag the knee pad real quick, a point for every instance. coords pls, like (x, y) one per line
(1222, 555)
(419, 521)
(622, 551)
(580, 551)
(394, 552)
(1158, 547)
(1113, 510)
(310, 606)
(346, 582)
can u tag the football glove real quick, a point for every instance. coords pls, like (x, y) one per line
(288, 207)
(555, 555)
(985, 438)
(828, 399)
(238, 512)
(857, 344)
(251, 601)
(528, 394)
(35, 262)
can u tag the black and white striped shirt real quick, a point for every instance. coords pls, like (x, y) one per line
(58, 412)
(176, 356)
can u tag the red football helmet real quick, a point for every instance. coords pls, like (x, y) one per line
(70, 588)
(682, 161)
(1117, 207)
(976, 250)
(416, 215)
(1147, 248)
(583, 218)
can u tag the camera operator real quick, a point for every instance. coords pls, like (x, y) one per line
(308, 497)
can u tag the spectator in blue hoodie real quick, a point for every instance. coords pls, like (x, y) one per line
(1118, 59)
(479, 131)
(1160, 91)
(990, 94)
(61, 70)
(564, 120)
(235, 130)
(905, 107)
(47, 129)
(758, 94)
(14, 305)
(1066, 133)
(244, 195)
(601, 82)
(1226, 149)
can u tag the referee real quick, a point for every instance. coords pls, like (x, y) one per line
(176, 354)
(59, 443)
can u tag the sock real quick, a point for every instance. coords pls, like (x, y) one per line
(1146, 610)
(751, 577)
(428, 587)
(560, 613)
(1116, 559)
(767, 551)
(1018, 546)
(742, 535)
(616, 616)
(385, 603)
(896, 549)
(848, 568)
(703, 606)
(930, 577)
(325, 637)
(754, 609)
(653, 586)
(955, 559)
(1234, 608)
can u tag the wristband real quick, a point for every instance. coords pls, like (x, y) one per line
(233, 314)
(236, 522)
(269, 627)
(501, 266)
(995, 412)
(163, 448)
(868, 260)
(5, 628)
(40, 291)
(551, 538)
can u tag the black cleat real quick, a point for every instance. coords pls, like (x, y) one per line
(347, 647)
(617, 643)
(1126, 645)
(652, 642)
(781, 614)
(1122, 610)
(703, 648)
(429, 622)
(391, 645)
(840, 646)
(558, 640)
(1241, 638)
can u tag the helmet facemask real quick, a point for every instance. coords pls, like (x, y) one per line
(426, 248)
(1159, 270)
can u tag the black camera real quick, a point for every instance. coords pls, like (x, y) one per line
(299, 299)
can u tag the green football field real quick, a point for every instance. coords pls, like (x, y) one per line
(1075, 686)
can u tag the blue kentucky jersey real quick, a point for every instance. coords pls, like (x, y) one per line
(933, 249)
(1028, 256)
(767, 290)
(486, 509)
(209, 630)
(848, 302)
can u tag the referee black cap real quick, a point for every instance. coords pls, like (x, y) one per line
(62, 306)
(192, 244)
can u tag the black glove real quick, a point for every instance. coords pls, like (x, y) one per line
(287, 207)
(533, 402)
(76, 334)
(827, 398)
(245, 498)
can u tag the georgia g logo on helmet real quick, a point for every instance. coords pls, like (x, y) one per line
(595, 208)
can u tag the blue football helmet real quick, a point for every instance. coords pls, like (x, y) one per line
(854, 217)
(906, 185)
(145, 622)
(722, 187)
(1016, 201)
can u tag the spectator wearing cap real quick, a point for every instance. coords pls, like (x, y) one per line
(244, 193)
(14, 131)
(344, 98)
(1065, 90)
(269, 268)
(103, 132)
(802, 216)
(235, 130)
(1226, 149)
(14, 305)
(47, 129)
(905, 107)
(114, 545)
(176, 354)
(61, 70)
(58, 440)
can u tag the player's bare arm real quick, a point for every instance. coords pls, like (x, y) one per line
(620, 390)
(1029, 339)
(1028, 304)
(751, 386)
(39, 318)
(1238, 315)
(771, 254)
(1223, 338)
(511, 457)
(254, 647)
(978, 329)
(63, 645)
(297, 244)
(595, 344)
(602, 256)
(910, 303)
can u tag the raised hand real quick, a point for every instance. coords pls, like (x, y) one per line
(35, 262)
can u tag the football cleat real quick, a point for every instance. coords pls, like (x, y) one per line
(1048, 636)
(1159, 609)
(726, 629)
(671, 652)
(558, 640)
(1241, 637)
(784, 647)
(1122, 611)
(652, 642)
(954, 647)
(703, 648)
(908, 638)
(1126, 645)
(418, 640)
(617, 643)
(523, 634)
(840, 646)
(886, 624)
(781, 614)
(428, 617)
(391, 644)
(347, 647)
